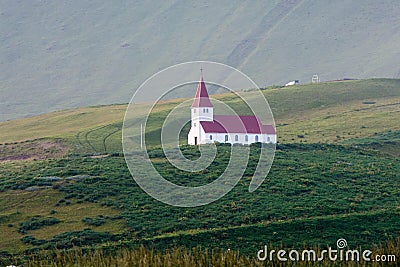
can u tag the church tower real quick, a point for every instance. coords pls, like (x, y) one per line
(201, 110)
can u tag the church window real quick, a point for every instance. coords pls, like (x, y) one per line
(236, 138)
(226, 138)
(256, 138)
(246, 138)
(210, 137)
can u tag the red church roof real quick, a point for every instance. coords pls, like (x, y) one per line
(236, 124)
(201, 99)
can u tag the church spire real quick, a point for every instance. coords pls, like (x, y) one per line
(201, 99)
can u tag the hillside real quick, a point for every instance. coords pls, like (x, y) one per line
(64, 55)
(91, 201)
(327, 112)
(335, 174)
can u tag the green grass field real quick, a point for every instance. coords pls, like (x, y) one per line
(64, 182)
(326, 113)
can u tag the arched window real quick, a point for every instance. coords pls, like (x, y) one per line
(246, 138)
(236, 138)
(268, 139)
(226, 138)
(204, 110)
(256, 138)
(210, 137)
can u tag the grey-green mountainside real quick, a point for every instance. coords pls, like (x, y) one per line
(56, 55)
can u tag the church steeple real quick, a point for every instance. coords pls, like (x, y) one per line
(201, 99)
(202, 109)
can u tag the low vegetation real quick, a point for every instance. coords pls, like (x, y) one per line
(143, 257)
(297, 196)
(335, 175)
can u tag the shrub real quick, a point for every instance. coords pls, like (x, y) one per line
(28, 239)
(97, 221)
(36, 223)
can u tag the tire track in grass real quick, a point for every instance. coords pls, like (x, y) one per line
(87, 141)
(118, 128)
(92, 131)
(78, 138)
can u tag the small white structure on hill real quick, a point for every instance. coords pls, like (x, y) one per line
(207, 127)
(292, 83)
(315, 79)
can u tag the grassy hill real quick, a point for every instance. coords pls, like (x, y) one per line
(328, 113)
(94, 202)
(64, 55)
(335, 175)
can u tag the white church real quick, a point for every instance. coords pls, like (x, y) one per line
(208, 128)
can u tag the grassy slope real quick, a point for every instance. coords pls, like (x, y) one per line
(22, 205)
(295, 108)
(310, 192)
(327, 113)
(65, 123)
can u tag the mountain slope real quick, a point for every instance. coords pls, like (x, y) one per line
(62, 55)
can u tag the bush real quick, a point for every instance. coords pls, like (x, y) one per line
(28, 239)
(99, 220)
(80, 238)
(36, 223)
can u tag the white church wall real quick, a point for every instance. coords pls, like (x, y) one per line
(271, 138)
(241, 138)
(196, 131)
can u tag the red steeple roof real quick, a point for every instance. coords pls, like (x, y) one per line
(201, 99)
